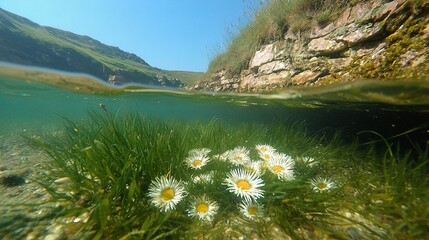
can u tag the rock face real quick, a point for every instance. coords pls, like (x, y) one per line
(371, 39)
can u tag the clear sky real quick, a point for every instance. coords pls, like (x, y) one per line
(168, 34)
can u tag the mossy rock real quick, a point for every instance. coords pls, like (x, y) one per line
(405, 55)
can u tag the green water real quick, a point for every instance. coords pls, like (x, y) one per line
(322, 123)
(24, 103)
(389, 108)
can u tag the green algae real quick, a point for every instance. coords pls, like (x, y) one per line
(403, 57)
(408, 38)
(102, 169)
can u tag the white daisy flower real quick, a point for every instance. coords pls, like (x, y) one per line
(244, 184)
(283, 169)
(198, 151)
(282, 156)
(224, 156)
(320, 184)
(196, 161)
(256, 167)
(309, 161)
(204, 178)
(241, 150)
(267, 155)
(251, 209)
(261, 148)
(202, 208)
(238, 157)
(166, 193)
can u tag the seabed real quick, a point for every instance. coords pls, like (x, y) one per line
(138, 177)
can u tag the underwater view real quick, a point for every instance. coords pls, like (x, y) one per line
(148, 163)
(252, 119)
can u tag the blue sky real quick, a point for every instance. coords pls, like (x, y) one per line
(168, 34)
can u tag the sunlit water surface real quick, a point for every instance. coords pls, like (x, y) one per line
(388, 108)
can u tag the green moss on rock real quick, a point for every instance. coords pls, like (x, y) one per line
(405, 50)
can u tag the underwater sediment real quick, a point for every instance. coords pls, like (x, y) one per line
(132, 176)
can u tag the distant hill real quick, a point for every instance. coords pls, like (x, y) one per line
(25, 42)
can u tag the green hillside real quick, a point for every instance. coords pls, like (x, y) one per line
(25, 42)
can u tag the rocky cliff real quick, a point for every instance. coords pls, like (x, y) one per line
(373, 39)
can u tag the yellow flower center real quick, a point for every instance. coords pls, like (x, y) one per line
(238, 159)
(323, 185)
(278, 169)
(167, 194)
(243, 185)
(202, 208)
(267, 156)
(263, 149)
(252, 210)
(197, 162)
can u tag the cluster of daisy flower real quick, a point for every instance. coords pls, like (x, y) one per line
(244, 180)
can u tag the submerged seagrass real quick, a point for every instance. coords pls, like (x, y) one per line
(126, 177)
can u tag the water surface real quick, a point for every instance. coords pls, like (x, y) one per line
(37, 98)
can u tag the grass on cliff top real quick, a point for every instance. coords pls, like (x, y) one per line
(270, 23)
(104, 169)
